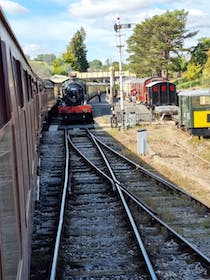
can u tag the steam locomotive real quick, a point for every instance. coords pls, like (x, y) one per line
(73, 105)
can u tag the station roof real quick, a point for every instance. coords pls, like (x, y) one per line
(58, 79)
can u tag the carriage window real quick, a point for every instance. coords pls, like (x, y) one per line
(33, 87)
(172, 88)
(201, 101)
(27, 85)
(5, 104)
(30, 86)
(18, 82)
(155, 89)
(204, 100)
(163, 88)
(36, 88)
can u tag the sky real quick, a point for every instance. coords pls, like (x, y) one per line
(48, 26)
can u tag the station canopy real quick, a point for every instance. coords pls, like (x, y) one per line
(59, 79)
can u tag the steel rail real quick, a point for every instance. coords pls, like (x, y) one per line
(205, 259)
(151, 174)
(137, 235)
(102, 155)
(110, 169)
(105, 176)
(61, 216)
(202, 257)
(128, 212)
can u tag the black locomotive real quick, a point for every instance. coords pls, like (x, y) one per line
(73, 105)
(75, 94)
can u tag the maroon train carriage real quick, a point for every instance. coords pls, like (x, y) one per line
(23, 107)
(143, 97)
(162, 98)
(138, 86)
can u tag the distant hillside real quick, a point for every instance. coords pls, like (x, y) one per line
(42, 69)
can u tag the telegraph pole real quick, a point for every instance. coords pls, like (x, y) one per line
(120, 46)
(117, 28)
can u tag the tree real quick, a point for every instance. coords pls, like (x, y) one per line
(49, 58)
(95, 65)
(115, 65)
(156, 41)
(60, 67)
(199, 52)
(76, 52)
(193, 71)
(41, 68)
(178, 65)
(206, 69)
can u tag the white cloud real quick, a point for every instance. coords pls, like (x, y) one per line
(13, 7)
(57, 29)
(54, 28)
(91, 8)
(32, 49)
(197, 13)
(199, 20)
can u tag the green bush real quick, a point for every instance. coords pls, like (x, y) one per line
(184, 84)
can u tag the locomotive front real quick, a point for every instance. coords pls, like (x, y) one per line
(73, 105)
(74, 94)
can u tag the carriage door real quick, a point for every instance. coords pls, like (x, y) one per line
(164, 96)
(154, 93)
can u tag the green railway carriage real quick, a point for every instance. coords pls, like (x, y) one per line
(194, 112)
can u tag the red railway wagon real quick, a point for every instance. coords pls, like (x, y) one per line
(143, 96)
(23, 107)
(138, 85)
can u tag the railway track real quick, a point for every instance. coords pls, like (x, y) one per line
(47, 206)
(97, 241)
(183, 213)
(107, 232)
